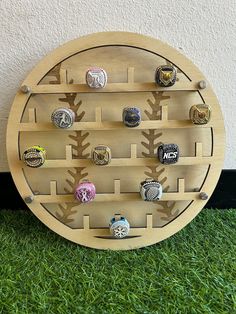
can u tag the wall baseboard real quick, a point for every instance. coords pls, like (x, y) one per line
(224, 196)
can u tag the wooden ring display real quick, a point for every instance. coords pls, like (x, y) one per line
(130, 61)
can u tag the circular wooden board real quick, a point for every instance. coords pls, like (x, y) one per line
(130, 61)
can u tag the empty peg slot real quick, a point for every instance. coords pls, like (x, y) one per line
(98, 114)
(53, 187)
(149, 221)
(32, 115)
(68, 152)
(164, 112)
(133, 151)
(198, 149)
(130, 74)
(63, 76)
(181, 185)
(86, 223)
(117, 186)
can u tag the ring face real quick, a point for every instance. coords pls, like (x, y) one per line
(150, 190)
(200, 114)
(63, 118)
(101, 155)
(85, 192)
(34, 156)
(168, 153)
(96, 77)
(119, 228)
(165, 75)
(131, 116)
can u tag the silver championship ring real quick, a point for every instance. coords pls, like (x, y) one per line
(150, 190)
(34, 156)
(96, 77)
(168, 153)
(119, 228)
(63, 118)
(165, 75)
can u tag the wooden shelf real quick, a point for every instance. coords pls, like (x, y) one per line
(112, 88)
(110, 125)
(111, 197)
(117, 196)
(123, 162)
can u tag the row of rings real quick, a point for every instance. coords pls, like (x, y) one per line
(150, 190)
(35, 156)
(165, 75)
(64, 117)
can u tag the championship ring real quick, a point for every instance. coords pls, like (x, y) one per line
(131, 117)
(63, 118)
(165, 75)
(168, 153)
(150, 190)
(34, 156)
(96, 77)
(119, 228)
(200, 114)
(101, 155)
(85, 192)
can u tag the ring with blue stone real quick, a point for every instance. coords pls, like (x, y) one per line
(119, 228)
(131, 116)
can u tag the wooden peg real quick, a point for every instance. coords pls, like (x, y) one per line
(149, 221)
(181, 185)
(117, 217)
(198, 149)
(32, 115)
(86, 222)
(53, 188)
(130, 75)
(98, 114)
(63, 76)
(68, 152)
(164, 112)
(117, 186)
(133, 151)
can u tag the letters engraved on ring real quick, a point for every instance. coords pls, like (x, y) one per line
(168, 153)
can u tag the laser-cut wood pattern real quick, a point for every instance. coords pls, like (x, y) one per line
(130, 61)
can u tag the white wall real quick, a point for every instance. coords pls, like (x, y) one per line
(204, 30)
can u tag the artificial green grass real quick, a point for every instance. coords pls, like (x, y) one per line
(192, 272)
